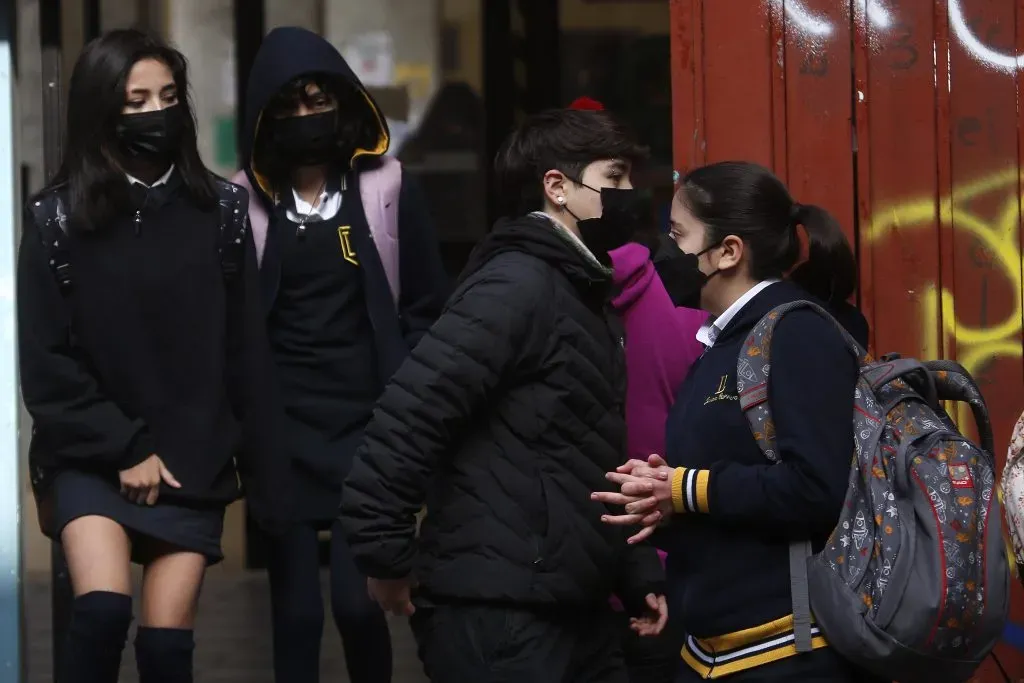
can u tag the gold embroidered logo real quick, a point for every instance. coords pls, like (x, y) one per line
(720, 394)
(346, 245)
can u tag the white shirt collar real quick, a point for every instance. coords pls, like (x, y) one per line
(162, 180)
(709, 331)
(327, 208)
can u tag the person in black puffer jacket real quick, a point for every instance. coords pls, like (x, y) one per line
(504, 418)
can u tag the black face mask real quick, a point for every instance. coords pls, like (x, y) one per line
(622, 213)
(152, 136)
(306, 140)
(680, 272)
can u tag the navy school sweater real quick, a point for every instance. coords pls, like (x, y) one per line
(155, 366)
(728, 563)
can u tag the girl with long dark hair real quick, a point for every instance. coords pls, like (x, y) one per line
(729, 514)
(142, 357)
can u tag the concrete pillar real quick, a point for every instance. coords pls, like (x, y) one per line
(119, 14)
(72, 19)
(28, 97)
(28, 150)
(204, 32)
(304, 13)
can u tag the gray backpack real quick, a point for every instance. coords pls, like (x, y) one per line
(913, 584)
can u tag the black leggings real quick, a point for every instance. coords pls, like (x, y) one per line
(298, 610)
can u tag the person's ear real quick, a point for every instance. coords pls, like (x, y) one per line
(732, 250)
(555, 184)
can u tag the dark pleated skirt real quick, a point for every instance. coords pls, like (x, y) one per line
(151, 528)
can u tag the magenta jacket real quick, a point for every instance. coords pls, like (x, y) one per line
(661, 346)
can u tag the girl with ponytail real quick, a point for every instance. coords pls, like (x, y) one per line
(749, 203)
(829, 272)
(725, 515)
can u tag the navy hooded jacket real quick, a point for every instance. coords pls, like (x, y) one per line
(286, 54)
(322, 454)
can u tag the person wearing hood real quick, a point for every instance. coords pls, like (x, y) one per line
(352, 278)
(502, 421)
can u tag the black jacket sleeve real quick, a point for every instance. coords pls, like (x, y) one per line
(813, 376)
(72, 418)
(642, 573)
(424, 283)
(430, 402)
(264, 471)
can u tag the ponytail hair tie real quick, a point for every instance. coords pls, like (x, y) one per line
(586, 104)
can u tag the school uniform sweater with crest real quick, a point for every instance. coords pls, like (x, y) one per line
(324, 349)
(728, 562)
(338, 332)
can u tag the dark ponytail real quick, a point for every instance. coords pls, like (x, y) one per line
(746, 200)
(830, 271)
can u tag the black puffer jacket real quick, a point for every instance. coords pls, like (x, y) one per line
(503, 420)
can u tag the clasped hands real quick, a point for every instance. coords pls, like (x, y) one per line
(645, 492)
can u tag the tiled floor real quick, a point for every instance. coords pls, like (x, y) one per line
(232, 636)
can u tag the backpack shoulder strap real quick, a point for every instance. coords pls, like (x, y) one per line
(380, 185)
(51, 220)
(753, 368)
(233, 205)
(259, 220)
(752, 371)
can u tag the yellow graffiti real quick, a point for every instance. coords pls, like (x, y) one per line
(998, 235)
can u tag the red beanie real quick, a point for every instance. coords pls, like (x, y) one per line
(586, 104)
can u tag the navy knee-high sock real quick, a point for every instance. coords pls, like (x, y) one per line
(297, 608)
(164, 655)
(96, 638)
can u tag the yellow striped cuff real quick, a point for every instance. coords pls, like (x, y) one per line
(690, 490)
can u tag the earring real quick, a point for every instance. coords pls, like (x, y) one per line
(561, 200)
